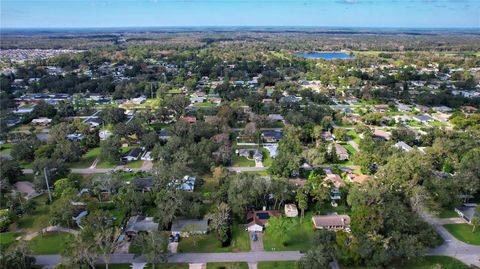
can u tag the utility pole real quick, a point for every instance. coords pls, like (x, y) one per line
(48, 185)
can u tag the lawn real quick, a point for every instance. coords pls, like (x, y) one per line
(168, 266)
(240, 161)
(349, 148)
(463, 232)
(6, 239)
(135, 164)
(205, 104)
(36, 220)
(104, 164)
(298, 238)
(447, 213)
(6, 148)
(427, 262)
(52, 243)
(354, 136)
(87, 159)
(227, 265)
(266, 160)
(277, 265)
(210, 243)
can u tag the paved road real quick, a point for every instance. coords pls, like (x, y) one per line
(246, 169)
(249, 257)
(469, 254)
(90, 170)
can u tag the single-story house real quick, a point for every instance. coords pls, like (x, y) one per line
(275, 118)
(258, 220)
(188, 119)
(342, 153)
(94, 122)
(357, 178)
(467, 212)
(382, 134)
(272, 136)
(291, 210)
(195, 100)
(75, 137)
(257, 154)
(272, 149)
(424, 119)
(186, 184)
(41, 121)
(185, 227)
(327, 136)
(133, 155)
(140, 224)
(142, 184)
(331, 222)
(403, 146)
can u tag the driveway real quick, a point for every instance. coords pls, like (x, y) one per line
(256, 246)
(469, 254)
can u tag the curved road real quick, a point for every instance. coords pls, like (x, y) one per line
(469, 254)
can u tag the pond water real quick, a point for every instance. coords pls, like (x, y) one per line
(324, 55)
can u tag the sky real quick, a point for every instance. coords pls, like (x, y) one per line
(167, 13)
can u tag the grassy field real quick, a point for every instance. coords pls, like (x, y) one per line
(298, 238)
(36, 220)
(463, 232)
(240, 161)
(51, 243)
(135, 164)
(227, 265)
(277, 265)
(87, 159)
(447, 213)
(6, 148)
(6, 239)
(210, 243)
(427, 262)
(354, 136)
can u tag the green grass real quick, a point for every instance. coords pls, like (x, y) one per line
(298, 238)
(427, 262)
(135, 164)
(227, 265)
(349, 148)
(87, 159)
(437, 124)
(210, 243)
(240, 161)
(6, 148)
(52, 243)
(6, 239)
(115, 266)
(354, 136)
(463, 232)
(105, 164)
(447, 213)
(266, 160)
(277, 265)
(205, 104)
(38, 219)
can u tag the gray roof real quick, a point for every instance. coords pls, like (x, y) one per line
(141, 224)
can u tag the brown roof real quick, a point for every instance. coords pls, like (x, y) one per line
(358, 178)
(335, 179)
(331, 220)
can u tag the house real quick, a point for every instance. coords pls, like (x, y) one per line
(41, 121)
(381, 108)
(163, 134)
(257, 154)
(468, 212)
(23, 110)
(358, 178)
(291, 210)
(275, 118)
(331, 222)
(185, 227)
(140, 223)
(188, 119)
(142, 184)
(133, 155)
(382, 134)
(403, 146)
(272, 136)
(258, 220)
(75, 137)
(195, 100)
(94, 122)
(335, 179)
(424, 119)
(341, 152)
(186, 184)
(327, 136)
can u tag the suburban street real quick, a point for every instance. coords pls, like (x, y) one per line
(249, 257)
(469, 254)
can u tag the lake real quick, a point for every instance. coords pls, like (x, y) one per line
(324, 55)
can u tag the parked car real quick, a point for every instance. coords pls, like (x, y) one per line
(254, 237)
(177, 238)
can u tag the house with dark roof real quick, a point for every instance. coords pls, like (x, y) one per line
(272, 136)
(468, 212)
(258, 220)
(186, 227)
(133, 155)
(424, 119)
(142, 184)
(140, 223)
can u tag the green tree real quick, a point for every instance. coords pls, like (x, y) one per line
(153, 246)
(110, 149)
(302, 201)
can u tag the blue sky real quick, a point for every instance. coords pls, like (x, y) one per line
(328, 13)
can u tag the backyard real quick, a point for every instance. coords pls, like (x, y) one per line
(6, 239)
